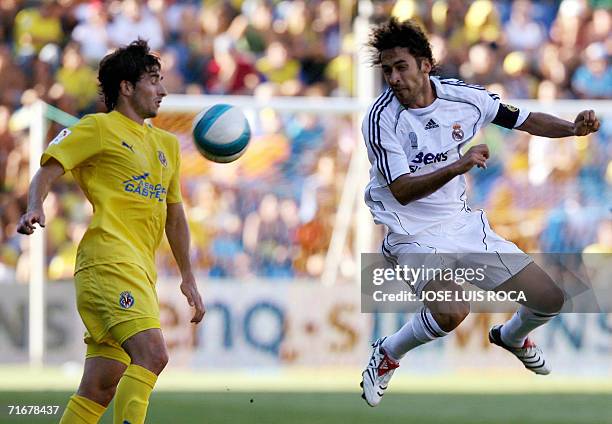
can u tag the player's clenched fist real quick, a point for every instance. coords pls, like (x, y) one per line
(27, 221)
(586, 123)
(475, 156)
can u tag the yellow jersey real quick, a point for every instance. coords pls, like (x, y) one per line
(129, 172)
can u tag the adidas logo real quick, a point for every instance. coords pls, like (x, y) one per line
(431, 125)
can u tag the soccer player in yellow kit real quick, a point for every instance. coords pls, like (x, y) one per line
(129, 171)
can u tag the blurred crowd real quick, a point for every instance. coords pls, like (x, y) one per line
(272, 214)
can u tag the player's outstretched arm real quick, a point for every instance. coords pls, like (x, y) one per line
(39, 189)
(408, 188)
(177, 232)
(545, 125)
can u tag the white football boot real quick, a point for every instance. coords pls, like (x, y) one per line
(529, 354)
(376, 376)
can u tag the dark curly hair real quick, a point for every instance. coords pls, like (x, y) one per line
(127, 63)
(394, 33)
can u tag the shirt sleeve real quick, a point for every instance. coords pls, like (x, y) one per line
(385, 151)
(489, 104)
(75, 146)
(509, 116)
(502, 114)
(174, 189)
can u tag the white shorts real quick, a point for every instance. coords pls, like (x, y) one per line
(466, 241)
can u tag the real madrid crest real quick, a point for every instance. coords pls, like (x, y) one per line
(162, 158)
(457, 132)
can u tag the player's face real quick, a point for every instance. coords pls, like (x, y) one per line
(148, 94)
(405, 75)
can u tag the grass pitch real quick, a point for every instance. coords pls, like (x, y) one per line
(341, 407)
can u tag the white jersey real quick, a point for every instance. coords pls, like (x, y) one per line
(419, 141)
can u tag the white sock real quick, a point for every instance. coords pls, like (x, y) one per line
(420, 329)
(524, 321)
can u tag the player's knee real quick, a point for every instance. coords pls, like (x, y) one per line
(157, 361)
(108, 394)
(148, 351)
(453, 316)
(162, 359)
(102, 395)
(554, 301)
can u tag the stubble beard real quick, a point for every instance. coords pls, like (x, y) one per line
(404, 97)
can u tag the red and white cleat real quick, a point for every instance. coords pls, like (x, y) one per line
(378, 373)
(529, 354)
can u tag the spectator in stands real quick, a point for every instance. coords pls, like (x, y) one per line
(600, 26)
(328, 25)
(13, 81)
(135, 20)
(78, 79)
(92, 33)
(229, 71)
(522, 31)
(517, 79)
(550, 66)
(339, 71)
(593, 79)
(482, 66)
(216, 18)
(253, 28)
(546, 49)
(603, 242)
(173, 78)
(226, 246)
(278, 67)
(35, 27)
(7, 144)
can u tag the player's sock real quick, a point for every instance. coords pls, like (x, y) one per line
(132, 397)
(81, 410)
(525, 320)
(422, 328)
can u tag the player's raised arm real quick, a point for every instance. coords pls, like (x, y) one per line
(177, 232)
(545, 125)
(39, 189)
(408, 188)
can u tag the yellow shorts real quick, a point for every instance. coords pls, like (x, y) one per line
(115, 302)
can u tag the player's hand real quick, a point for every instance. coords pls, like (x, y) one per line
(586, 123)
(28, 219)
(190, 290)
(475, 156)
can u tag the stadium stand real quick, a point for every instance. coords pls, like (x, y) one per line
(521, 50)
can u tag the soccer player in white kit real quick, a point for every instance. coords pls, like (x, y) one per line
(414, 132)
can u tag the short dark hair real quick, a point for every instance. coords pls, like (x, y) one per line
(394, 33)
(127, 63)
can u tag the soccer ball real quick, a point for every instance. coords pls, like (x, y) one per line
(221, 133)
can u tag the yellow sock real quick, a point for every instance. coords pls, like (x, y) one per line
(132, 396)
(81, 410)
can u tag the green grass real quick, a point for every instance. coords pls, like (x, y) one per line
(323, 408)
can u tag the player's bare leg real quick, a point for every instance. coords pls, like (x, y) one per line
(544, 301)
(100, 379)
(542, 294)
(434, 320)
(449, 314)
(97, 388)
(147, 350)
